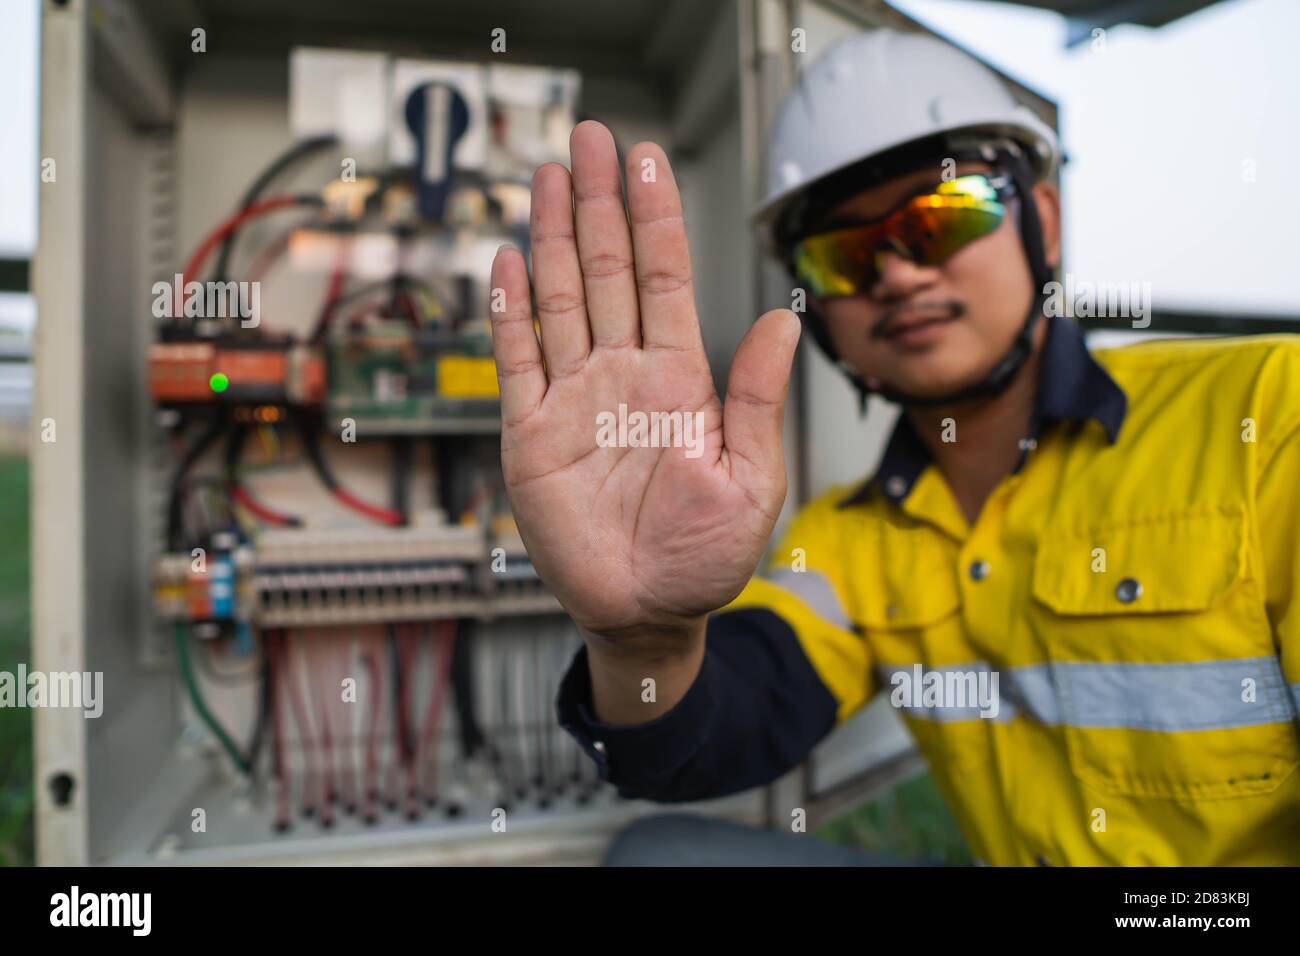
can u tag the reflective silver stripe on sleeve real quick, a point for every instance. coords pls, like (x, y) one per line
(1201, 695)
(816, 591)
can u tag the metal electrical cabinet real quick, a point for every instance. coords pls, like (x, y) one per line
(156, 115)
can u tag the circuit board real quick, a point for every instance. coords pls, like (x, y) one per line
(391, 379)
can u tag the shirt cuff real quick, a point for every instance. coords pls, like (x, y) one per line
(639, 758)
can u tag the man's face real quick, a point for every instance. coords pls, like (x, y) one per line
(931, 330)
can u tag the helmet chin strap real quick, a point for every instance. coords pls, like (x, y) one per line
(1005, 370)
(994, 383)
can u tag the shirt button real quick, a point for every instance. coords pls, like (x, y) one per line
(1128, 590)
(896, 486)
(979, 570)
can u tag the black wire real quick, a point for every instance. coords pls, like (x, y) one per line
(406, 744)
(311, 445)
(265, 705)
(509, 746)
(401, 234)
(380, 284)
(452, 495)
(540, 696)
(472, 738)
(289, 157)
(390, 285)
(192, 455)
(234, 447)
(403, 452)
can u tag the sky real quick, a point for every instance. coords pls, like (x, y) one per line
(19, 168)
(1182, 142)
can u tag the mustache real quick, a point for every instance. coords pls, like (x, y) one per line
(910, 311)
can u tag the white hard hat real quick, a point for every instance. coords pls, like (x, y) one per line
(875, 92)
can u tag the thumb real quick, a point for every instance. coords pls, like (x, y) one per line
(754, 410)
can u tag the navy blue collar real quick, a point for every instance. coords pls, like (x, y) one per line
(1072, 386)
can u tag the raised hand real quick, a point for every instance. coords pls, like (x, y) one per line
(630, 539)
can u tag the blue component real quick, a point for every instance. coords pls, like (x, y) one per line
(438, 117)
(221, 586)
(243, 639)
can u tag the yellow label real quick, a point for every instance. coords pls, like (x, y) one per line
(467, 376)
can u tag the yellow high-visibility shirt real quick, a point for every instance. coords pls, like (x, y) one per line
(1131, 592)
(1138, 600)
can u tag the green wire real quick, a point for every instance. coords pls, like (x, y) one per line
(196, 698)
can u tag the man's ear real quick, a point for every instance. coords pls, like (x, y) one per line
(1048, 198)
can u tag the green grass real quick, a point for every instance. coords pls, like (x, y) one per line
(16, 798)
(909, 822)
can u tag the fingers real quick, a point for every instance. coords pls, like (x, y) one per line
(663, 264)
(604, 242)
(754, 411)
(514, 342)
(597, 282)
(561, 302)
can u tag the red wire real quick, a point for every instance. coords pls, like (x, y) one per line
(374, 512)
(406, 649)
(274, 651)
(397, 760)
(376, 709)
(314, 665)
(446, 639)
(412, 312)
(338, 279)
(304, 728)
(342, 645)
(404, 302)
(210, 242)
(363, 312)
(260, 510)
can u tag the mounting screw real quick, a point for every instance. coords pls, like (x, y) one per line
(61, 787)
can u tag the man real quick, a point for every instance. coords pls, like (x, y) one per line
(1076, 575)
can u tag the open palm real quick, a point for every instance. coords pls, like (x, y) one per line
(630, 537)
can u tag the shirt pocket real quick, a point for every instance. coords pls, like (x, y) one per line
(1162, 669)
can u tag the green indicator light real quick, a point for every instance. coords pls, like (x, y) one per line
(218, 382)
